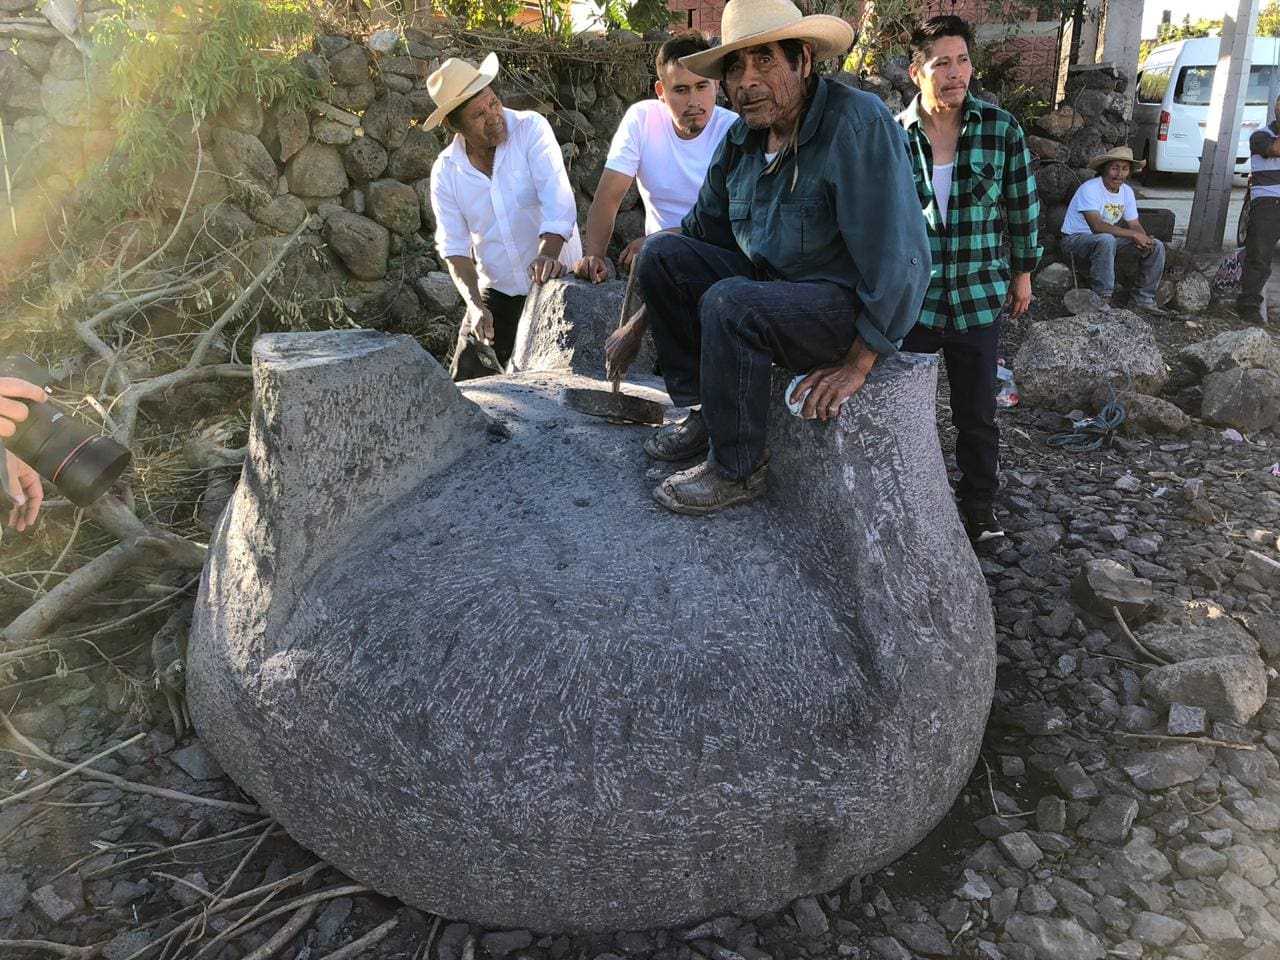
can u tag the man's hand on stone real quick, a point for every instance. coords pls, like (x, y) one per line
(545, 268)
(629, 253)
(481, 321)
(592, 268)
(623, 345)
(25, 491)
(1019, 298)
(12, 408)
(826, 388)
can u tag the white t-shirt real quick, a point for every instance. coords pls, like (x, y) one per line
(1093, 195)
(942, 174)
(497, 221)
(668, 171)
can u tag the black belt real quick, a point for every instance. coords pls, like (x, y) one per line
(1254, 201)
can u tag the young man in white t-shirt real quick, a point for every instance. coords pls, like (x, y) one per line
(1102, 220)
(664, 146)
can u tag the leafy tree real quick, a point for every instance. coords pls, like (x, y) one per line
(1269, 20)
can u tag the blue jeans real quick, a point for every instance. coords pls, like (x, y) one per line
(719, 324)
(1100, 250)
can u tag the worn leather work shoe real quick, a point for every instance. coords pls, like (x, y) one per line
(682, 440)
(700, 490)
(980, 523)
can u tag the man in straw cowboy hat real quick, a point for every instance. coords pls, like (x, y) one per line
(805, 248)
(973, 173)
(505, 213)
(1102, 220)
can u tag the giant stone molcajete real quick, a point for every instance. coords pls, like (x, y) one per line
(452, 644)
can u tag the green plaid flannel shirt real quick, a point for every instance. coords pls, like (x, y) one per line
(993, 193)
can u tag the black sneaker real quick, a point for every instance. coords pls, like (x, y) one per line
(980, 523)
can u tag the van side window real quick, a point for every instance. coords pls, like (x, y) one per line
(1152, 84)
(1259, 93)
(1195, 86)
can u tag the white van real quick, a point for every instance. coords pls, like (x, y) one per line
(1171, 107)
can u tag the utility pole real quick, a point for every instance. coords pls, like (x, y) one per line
(1222, 129)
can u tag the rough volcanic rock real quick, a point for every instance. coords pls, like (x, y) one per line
(1054, 280)
(387, 121)
(574, 320)
(350, 65)
(1191, 293)
(243, 155)
(394, 205)
(316, 171)
(1061, 363)
(1230, 688)
(1244, 398)
(412, 160)
(283, 214)
(291, 129)
(365, 159)
(360, 243)
(1103, 584)
(1203, 631)
(1250, 347)
(1060, 123)
(567, 774)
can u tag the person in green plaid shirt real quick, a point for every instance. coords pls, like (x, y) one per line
(973, 176)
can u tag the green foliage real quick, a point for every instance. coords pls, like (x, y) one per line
(170, 64)
(886, 28)
(1268, 26)
(996, 70)
(482, 14)
(555, 19)
(645, 15)
(1269, 20)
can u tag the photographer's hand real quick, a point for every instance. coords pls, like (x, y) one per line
(24, 489)
(12, 410)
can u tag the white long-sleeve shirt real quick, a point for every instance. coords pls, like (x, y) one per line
(497, 220)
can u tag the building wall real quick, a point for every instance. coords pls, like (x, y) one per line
(1035, 47)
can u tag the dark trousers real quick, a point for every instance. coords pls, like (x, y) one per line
(506, 311)
(970, 357)
(719, 326)
(1259, 246)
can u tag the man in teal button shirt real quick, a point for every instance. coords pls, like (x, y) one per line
(805, 248)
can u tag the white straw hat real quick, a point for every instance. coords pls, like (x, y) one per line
(456, 81)
(750, 23)
(1117, 153)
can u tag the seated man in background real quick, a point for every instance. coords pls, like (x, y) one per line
(505, 213)
(664, 146)
(805, 248)
(1102, 220)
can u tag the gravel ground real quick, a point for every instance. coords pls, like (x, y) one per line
(1102, 820)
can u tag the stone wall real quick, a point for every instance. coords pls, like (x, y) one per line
(352, 170)
(1092, 118)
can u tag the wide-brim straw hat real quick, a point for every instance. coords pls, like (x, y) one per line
(1116, 153)
(750, 23)
(457, 81)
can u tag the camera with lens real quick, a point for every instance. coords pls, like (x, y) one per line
(73, 456)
